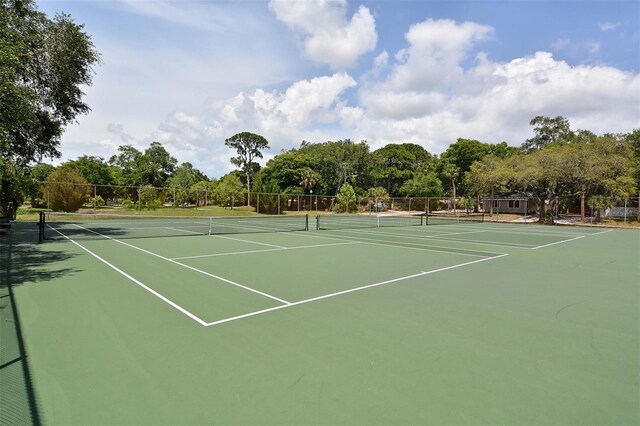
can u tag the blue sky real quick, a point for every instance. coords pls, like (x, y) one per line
(191, 74)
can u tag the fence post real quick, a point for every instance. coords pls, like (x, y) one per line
(257, 201)
(233, 199)
(278, 204)
(139, 199)
(94, 198)
(625, 211)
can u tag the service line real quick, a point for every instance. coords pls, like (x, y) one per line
(351, 290)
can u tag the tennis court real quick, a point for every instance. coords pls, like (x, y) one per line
(336, 320)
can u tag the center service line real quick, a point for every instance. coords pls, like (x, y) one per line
(326, 296)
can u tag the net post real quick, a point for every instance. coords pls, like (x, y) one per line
(306, 222)
(41, 227)
(210, 224)
(317, 222)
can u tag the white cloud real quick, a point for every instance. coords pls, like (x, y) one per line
(608, 26)
(215, 17)
(430, 97)
(328, 36)
(436, 49)
(287, 113)
(561, 43)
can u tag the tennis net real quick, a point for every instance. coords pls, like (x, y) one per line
(448, 219)
(134, 226)
(331, 222)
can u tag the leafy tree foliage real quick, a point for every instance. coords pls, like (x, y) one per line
(67, 190)
(228, 191)
(93, 169)
(423, 185)
(128, 165)
(14, 184)
(135, 168)
(345, 200)
(157, 165)
(397, 163)
(308, 179)
(249, 147)
(44, 62)
(547, 131)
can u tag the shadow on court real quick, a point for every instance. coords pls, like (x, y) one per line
(21, 261)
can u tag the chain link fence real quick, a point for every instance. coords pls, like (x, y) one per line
(567, 208)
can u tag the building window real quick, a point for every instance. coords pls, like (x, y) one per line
(495, 204)
(514, 204)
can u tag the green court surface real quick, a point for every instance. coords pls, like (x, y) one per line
(469, 323)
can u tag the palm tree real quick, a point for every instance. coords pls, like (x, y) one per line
(451, 172)
(308, 178)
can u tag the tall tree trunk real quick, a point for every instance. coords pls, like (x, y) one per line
(248, 189)
(583, 202)
(541, 209)
(453, 183)
(491, 202)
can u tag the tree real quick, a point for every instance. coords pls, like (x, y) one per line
(484, 177)
(43, 64)
(14, 185)
(308, 178)
(157, 165)
(547, 131)
(345, 199)
(39, 174)
(248, 146)
(183, 180)
(378, 197)
(127, 163)
(423, 185)
(397, 163)
(451, 172)
(93, 169)
(633, 138)
(592, 161)
(228, 190)
(67, 190)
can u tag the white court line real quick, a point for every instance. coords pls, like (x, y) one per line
(248, 241)
(487, 243)
(419, 247)
(454, 233)
(602, 232)
(150, 290)
(558, 242)
(528, 246)
(187, 266)
(265, 250)
(339, 293)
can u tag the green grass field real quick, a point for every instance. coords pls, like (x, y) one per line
(481, 323)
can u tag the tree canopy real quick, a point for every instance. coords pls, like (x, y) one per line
(43, 65)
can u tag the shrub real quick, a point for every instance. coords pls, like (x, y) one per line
(345, 200)
(67, 190)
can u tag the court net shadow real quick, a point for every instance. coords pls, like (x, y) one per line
(22, 261)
